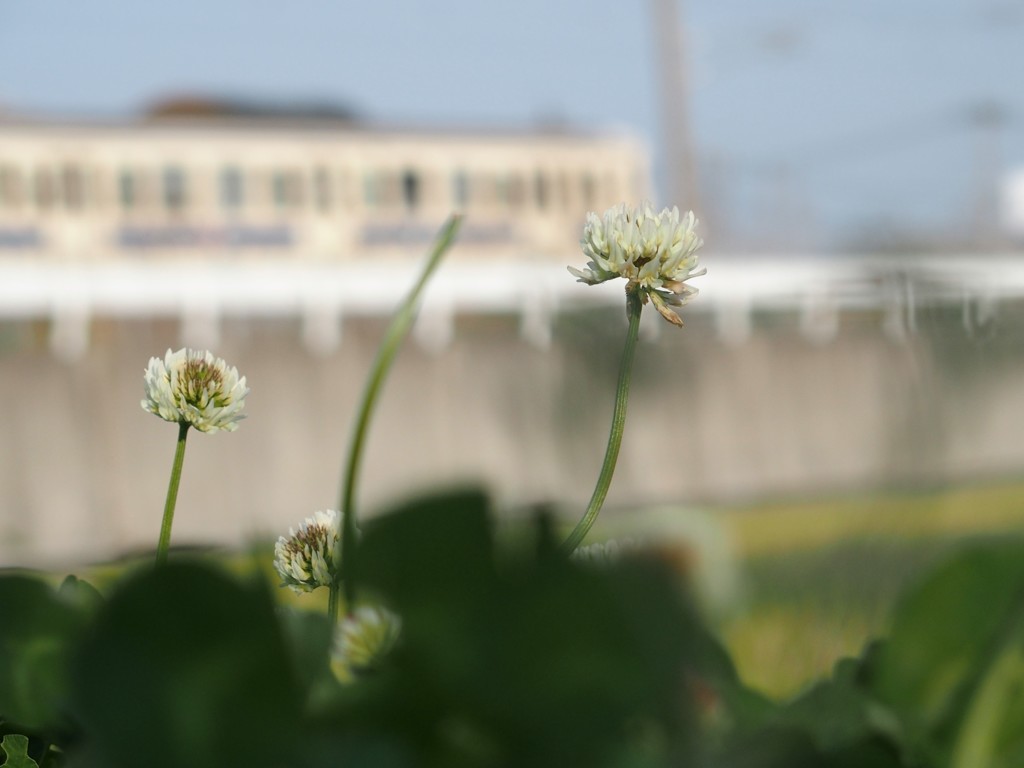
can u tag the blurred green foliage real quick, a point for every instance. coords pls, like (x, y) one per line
(510, 655)
(822, 577)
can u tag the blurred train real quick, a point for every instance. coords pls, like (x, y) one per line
(327, 211)
(216, 180)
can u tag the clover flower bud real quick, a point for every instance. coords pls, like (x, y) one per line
(305, 557)
(365, 637)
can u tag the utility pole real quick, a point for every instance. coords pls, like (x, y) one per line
(988, 119)
(679, 169)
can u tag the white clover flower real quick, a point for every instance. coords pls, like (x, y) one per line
(365, 636)
(195, 388)
(656, 253)
(305, 558)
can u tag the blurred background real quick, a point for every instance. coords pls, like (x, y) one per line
(842, 408)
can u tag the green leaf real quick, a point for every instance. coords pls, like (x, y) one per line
(992, 731)
(837, 715)
(15, 747)
(788, 747)
(36, 632)
(507, 657)
(187, 666)
(438, 545)
(949, 636)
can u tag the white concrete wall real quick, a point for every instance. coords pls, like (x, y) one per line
(83, 469)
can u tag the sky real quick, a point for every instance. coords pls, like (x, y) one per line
(816, 124)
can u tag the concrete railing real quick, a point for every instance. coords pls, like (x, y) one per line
(201, 293)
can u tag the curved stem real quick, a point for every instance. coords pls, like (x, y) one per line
(163, 545)
(332, 602)
(634, 306)
(396, 332)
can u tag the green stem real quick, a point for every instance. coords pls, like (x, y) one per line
(634, 306)
(397, 331)
(332, 603)
(172, 496)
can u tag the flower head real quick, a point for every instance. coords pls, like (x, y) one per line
(655, 252)
(365, 637)
(305, 557)
(195, 388)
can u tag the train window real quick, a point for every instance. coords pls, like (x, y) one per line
(11, 190)
(322, 191)
(174, 188)
(128, 190)
(279, 187)
(460, 188)
(45, 189)
(516, 191)
(232, 188)
(410, 189)
(74, 188)
(588, 190)
(287, 189)
(541, 191)
(371, 189)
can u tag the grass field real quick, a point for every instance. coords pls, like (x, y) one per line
(821, 577)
